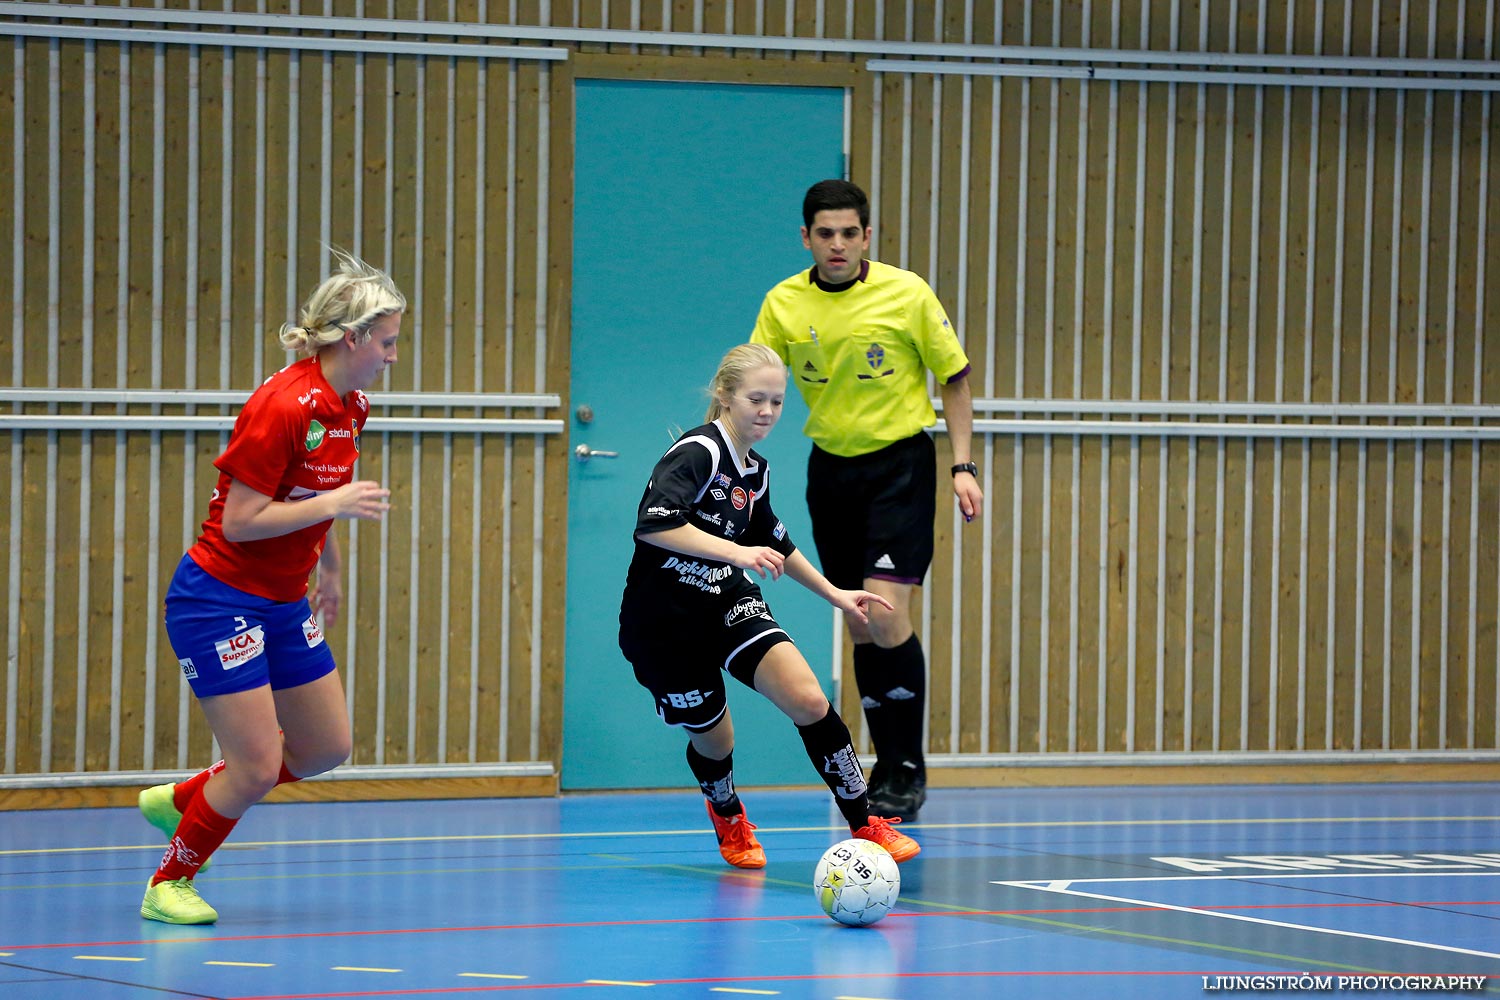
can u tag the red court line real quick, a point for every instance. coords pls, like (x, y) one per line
(218, 939)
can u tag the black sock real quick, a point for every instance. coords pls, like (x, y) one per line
(831, 750)
(716, 778)
(893, 690)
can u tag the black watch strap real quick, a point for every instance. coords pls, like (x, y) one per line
(968, 467)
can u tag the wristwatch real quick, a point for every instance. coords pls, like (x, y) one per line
(968, 467)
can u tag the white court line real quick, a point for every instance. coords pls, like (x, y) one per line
(1253, 876)
(1063, 887)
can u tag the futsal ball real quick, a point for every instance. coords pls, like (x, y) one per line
(857, 882)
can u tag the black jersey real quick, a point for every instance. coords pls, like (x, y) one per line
(702, 481)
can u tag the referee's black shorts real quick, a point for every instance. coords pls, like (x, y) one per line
(682, 659)
(872, 515)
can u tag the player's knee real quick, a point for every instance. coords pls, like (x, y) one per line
(324, 758)
(807, 705)
(306, 758)
(253, 779)
(716, 743)
(887, 630)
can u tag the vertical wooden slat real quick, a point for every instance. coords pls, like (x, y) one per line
(529, 214)
(215, 239)
(12, 119)
(69, 207)
(434, 308)
(557, 373)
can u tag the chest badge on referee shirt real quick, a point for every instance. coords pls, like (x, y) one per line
(875, 355)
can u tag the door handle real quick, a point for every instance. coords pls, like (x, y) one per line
(583, 453)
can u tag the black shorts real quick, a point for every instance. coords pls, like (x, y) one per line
(682, 661)
(872, 515)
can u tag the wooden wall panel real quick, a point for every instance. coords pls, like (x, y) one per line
(1091, 241)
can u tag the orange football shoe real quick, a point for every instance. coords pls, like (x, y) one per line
(880, 831)
(737, 839)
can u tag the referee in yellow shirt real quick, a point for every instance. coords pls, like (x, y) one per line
(859, 337)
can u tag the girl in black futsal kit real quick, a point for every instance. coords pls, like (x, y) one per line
(691, 609)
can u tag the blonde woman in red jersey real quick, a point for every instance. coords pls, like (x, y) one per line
(242, 624)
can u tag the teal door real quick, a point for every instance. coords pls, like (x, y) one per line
(687, 200)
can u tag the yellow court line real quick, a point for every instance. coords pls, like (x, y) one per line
(106, 958)
(613, 982)
(730, 989)
(490, 975)
(246, 965)
(597, 834)
(356, 968)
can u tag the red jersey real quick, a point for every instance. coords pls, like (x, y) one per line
(294, 439)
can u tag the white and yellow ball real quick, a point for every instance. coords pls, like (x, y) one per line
(857, 882)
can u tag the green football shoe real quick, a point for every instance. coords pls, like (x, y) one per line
(177, 902)
(161, 812)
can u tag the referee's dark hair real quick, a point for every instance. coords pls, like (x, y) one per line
(834, 195)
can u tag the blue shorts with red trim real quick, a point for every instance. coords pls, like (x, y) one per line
(227, 640)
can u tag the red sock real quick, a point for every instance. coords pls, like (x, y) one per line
(198, 835)
(186, 790)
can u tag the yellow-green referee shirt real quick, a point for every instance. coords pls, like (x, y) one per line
(859, 356)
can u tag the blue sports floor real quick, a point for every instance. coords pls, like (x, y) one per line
(1054, 893)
